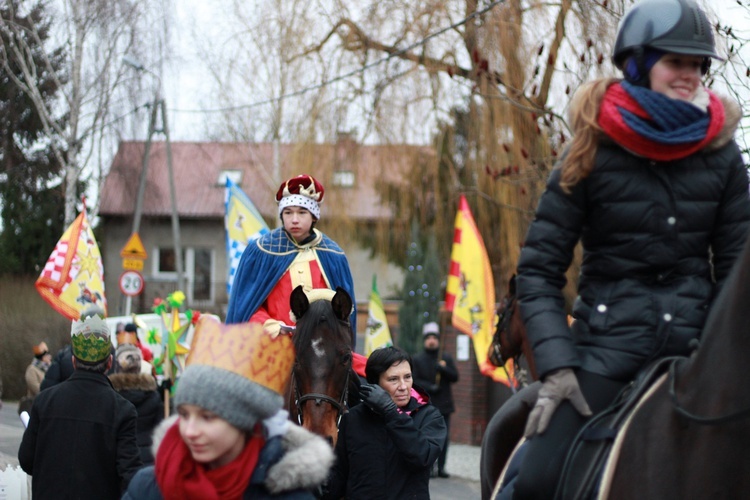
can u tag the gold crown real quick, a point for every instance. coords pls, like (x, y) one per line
(245, 350)
(90, 339)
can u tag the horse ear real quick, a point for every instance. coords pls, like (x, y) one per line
(512, 285)
(298, 302)
(342, 304)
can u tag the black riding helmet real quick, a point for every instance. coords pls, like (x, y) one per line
(674, 26)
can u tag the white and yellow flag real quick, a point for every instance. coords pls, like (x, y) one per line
(470, 292)
(73, 277)
(377, 333)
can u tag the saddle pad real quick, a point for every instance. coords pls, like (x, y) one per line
(614, 454)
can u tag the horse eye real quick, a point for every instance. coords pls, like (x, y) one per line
(346, 357)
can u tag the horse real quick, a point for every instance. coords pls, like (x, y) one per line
(688, 435)
(689, 438)
(509, 340)
(322, 376)
(506, 426)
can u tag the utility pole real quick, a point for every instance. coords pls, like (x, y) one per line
(158, 106)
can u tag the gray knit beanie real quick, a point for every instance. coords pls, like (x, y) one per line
(231, 396)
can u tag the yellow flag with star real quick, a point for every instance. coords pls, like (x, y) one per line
(470, 292)
(73, 277)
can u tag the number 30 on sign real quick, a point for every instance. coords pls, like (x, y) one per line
(131, 283)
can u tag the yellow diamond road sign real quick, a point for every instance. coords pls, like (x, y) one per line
(133, 249)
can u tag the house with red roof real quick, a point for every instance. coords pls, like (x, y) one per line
(349, 172)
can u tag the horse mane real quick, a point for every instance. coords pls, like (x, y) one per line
(306, 330)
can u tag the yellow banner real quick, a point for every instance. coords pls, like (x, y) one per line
(470, 292)
(73, 277)
(377, 333)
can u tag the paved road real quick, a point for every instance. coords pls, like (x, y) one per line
(11, 430)
(463, 461)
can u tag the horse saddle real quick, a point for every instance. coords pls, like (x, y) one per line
(592, 448)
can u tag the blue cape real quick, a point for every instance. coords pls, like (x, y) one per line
(265, 261)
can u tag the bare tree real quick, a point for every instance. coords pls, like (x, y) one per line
(94, 36)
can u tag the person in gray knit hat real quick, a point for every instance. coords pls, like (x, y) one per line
(232, 397)
(231, 438)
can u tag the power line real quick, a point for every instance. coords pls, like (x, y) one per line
(357, 71)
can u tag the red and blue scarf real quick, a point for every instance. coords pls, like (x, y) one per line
(655, 126)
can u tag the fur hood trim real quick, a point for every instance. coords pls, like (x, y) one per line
(732, 116)
(132, 382)
(305, 464)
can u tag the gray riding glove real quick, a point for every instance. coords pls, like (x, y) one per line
(557, 386)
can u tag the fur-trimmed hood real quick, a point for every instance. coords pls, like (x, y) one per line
(732, 116)
(132, 382)
(305, 464)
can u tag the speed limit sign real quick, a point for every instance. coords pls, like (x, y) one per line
(131, 283)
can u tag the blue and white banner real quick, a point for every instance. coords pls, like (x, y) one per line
(243, 223)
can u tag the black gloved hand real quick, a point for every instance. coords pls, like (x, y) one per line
(377, 399)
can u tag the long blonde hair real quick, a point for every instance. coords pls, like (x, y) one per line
(584, 115)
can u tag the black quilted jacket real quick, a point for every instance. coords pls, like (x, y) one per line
(658, 239)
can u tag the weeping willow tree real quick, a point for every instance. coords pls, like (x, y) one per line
(483, 85)
(512, 64)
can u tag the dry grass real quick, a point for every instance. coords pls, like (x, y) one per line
(25, 320)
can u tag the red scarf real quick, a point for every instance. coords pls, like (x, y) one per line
(619, 101)
(182, 478)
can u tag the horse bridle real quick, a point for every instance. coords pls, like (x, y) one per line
(503, 324)
(319, 398)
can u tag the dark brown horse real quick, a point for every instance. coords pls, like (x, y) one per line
(689, 435)
(322, 372)
(505, 428)
(690, 438)
(509, 341)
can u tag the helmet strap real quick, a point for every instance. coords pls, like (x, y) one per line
(639, 56)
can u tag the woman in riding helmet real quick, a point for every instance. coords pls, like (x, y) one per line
(654, 187)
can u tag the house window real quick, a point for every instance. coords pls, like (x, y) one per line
(199, 272)
(343, 178)
(167, 262)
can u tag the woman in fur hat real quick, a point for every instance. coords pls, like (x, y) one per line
(230, 438)
(140, 389)
(655, 188)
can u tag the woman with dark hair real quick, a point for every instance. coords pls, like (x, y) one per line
(387, 445)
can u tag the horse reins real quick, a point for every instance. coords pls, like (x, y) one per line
(697, 418)
(503, 324)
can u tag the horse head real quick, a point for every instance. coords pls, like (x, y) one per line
(321, 372)
(509, 340)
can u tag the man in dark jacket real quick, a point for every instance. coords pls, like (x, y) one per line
(62, 365)
(435, 371)
(81, 442)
